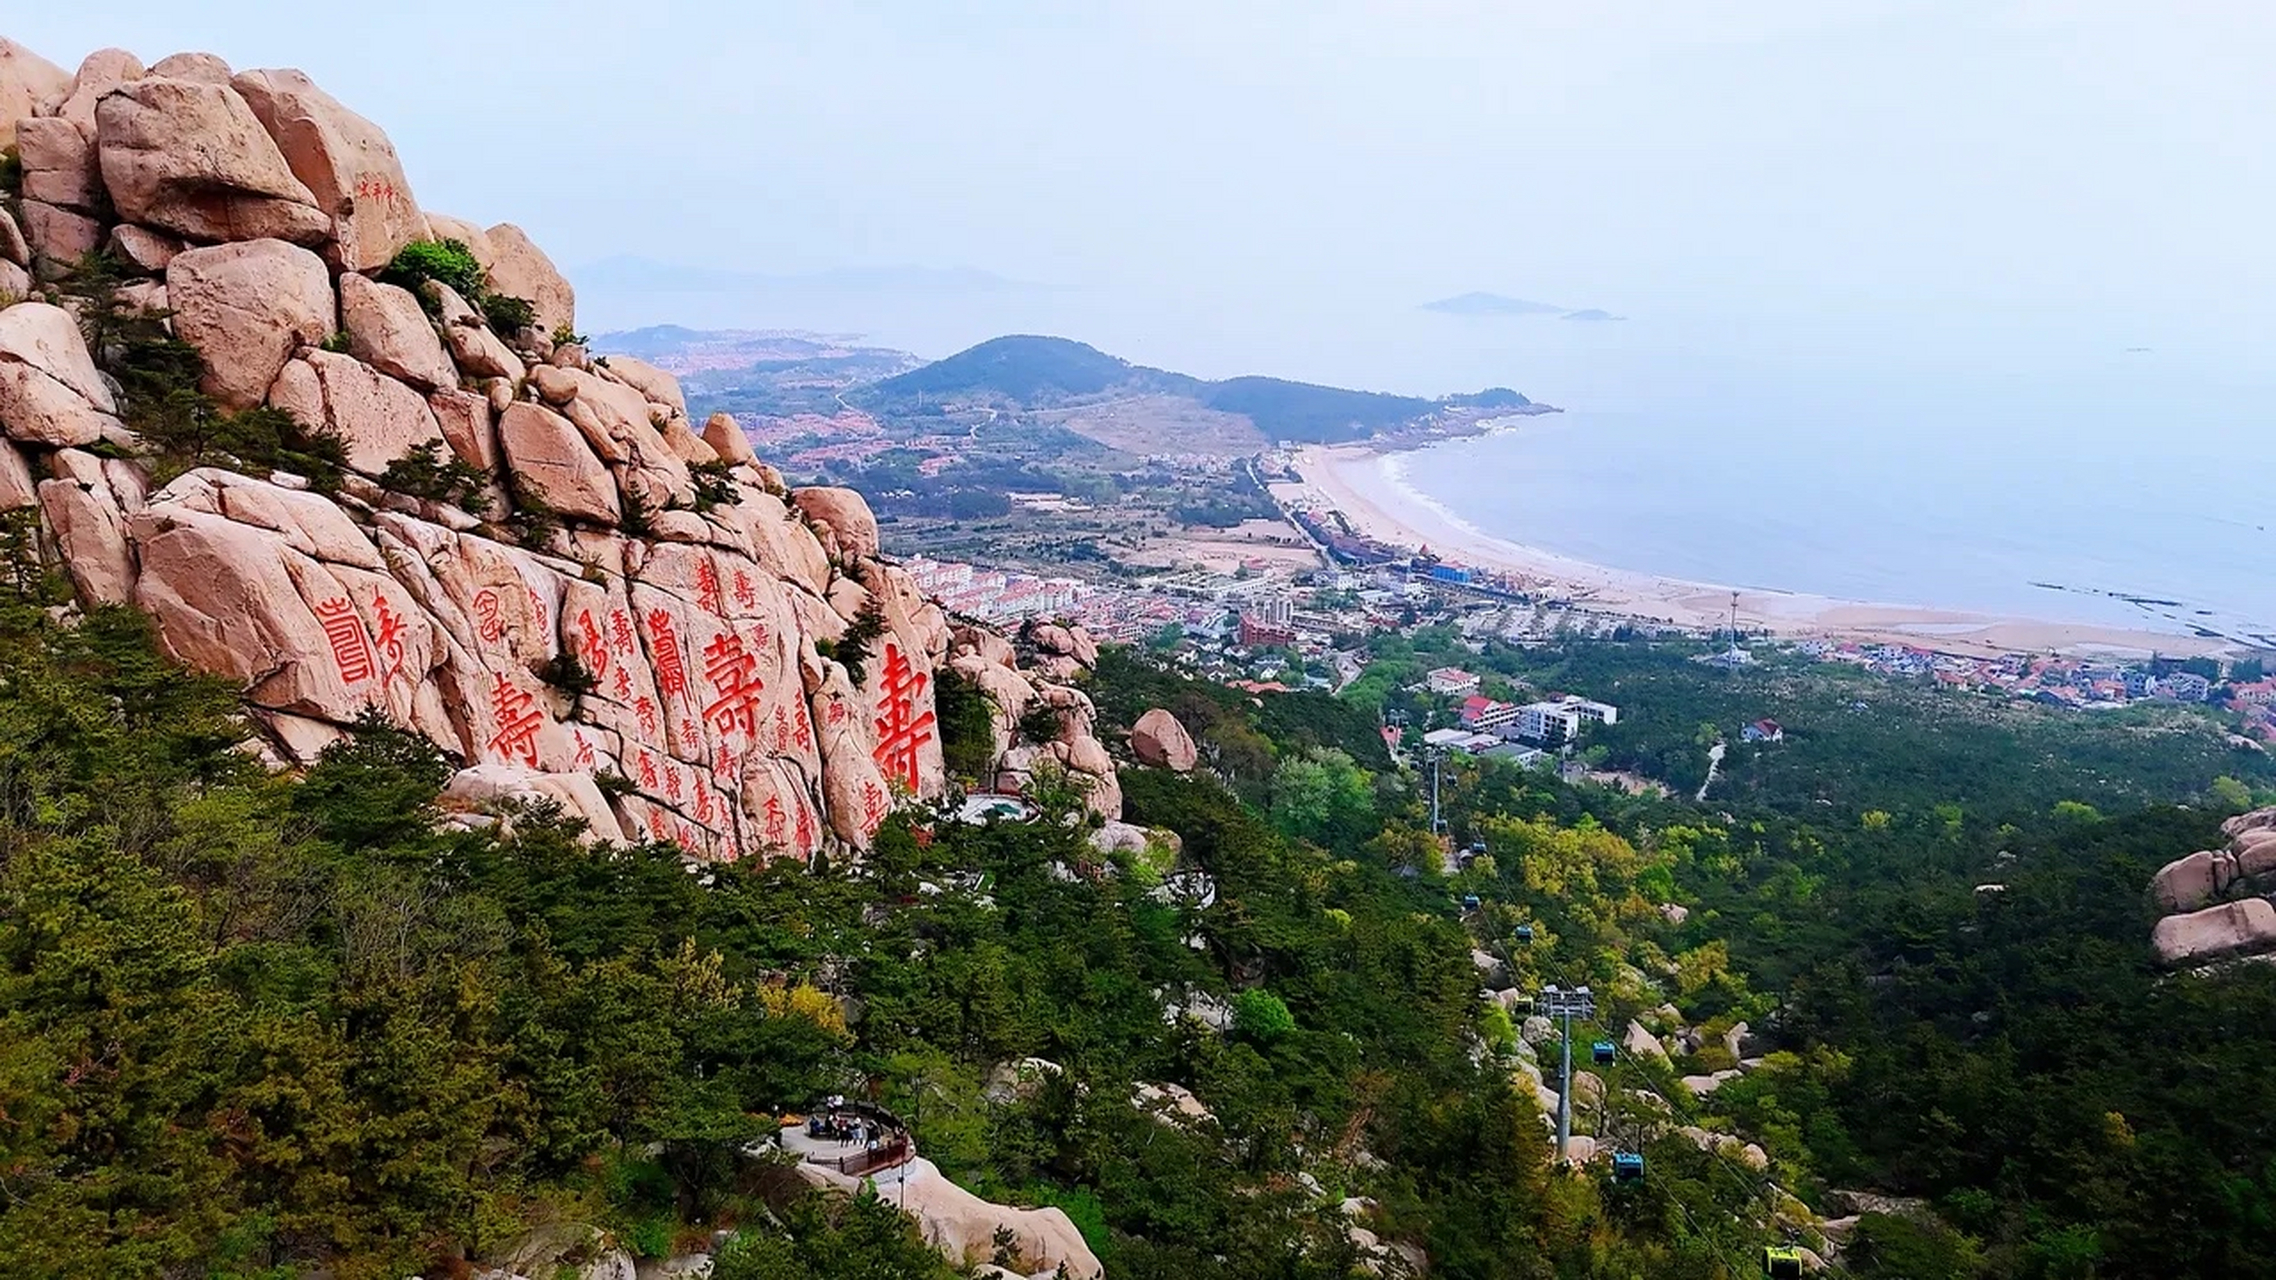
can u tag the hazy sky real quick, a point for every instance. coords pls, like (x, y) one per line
(1781, 157)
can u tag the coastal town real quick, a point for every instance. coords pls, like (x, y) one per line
(1320, 629)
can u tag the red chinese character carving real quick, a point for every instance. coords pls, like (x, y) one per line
(805, 832)
(646, 711)
(623, 684)
(672, 783)
(620, 634)
(671, 669)
(518, 721)
(647, 772)
(344, 631)
(537, 610)
(707, 588)
(837, 711)
(746, 595)
(595, 649)
(491, 625)
(727, 763)
(390, 641)
(584, 758)
(900, 730)
(776, 820)
(728, 849)
(802, 731)
(781, 731)
(734, 674)
(685, 837)
(872, 806)
(702, 803)
(658, 829)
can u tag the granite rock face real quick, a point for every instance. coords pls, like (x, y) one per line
(2216, 902)
(749, 674)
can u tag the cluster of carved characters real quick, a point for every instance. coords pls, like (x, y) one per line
(740, 677)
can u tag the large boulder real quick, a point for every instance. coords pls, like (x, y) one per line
(98, 74)
(2216, 933)
(845, 512)
(58, 159)
(90, 530)
(655, 384)
(1160, 740)
(726, 438)
(50, 393)
(27, 82)
(344, 160)
(389, 331)
(518, 268)
(376, 417)
(548, 456)
(191, 158)
(2186, 884)
(247, 308)
(500, 785)
(58, 235)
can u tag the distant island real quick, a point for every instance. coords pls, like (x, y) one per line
(1491, 304)
(1494, 304)
(1022, 371)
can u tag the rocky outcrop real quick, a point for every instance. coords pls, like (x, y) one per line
(571, 621)
(2215, 902)
(343, 160)
(964, 1227)
(1159, 740)
(190, 157)
(247, 307)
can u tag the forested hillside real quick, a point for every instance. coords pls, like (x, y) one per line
(258, 1023)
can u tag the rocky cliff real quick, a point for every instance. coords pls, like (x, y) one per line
(2216, 903)
(351, 454)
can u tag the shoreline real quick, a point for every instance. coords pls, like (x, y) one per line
(1365, 484)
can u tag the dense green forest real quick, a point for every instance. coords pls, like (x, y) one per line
(253, 1024)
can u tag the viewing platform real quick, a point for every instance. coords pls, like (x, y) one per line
(856, 1139)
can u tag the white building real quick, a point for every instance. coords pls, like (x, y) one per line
(1560, 720)
(1451, 682)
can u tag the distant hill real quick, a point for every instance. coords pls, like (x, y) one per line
(629, 273)
(1031, 372)
(1591, 313)
(1491, 304)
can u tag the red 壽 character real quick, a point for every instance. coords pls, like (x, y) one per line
(746, 595)
(620, 634)
(390, 641)
(646, 711)
(707, 588)
(584, 758)
(734, 674)
(805, 832)
(595, 646)
(802, 732)
(872, 806)
(900, 730)
(623, 684)
(518, 720)
(344, 631)
(672, 783)
(647, 772)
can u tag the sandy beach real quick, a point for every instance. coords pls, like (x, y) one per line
(1354, 479)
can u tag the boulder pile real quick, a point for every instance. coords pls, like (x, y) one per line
(609, 608)
(2215, 902)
